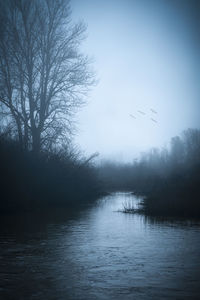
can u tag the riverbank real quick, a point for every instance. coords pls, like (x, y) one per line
(168, 178)
(166, 204)
(30, 182)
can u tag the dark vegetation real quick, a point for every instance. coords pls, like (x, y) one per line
(169, 180)
(44, 80)
(32, 181)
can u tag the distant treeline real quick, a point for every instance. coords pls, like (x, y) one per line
(168, 178)
(48, 179)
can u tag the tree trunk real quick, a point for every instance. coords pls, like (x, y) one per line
(19, 130)
(36, 141)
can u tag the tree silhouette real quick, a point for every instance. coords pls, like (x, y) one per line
(43, 76)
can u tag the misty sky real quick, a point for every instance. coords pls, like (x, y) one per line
(146, 55)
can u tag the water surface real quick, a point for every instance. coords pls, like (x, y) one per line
(99, 253)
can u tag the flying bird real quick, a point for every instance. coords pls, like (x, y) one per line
(154, 120)
(141, 112)
(155, 112)
(132, 116)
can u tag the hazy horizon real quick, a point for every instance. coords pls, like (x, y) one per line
(146, 56)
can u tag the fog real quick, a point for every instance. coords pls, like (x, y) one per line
(146, 55)
(124, 224)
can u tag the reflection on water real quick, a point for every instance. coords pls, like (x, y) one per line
(99, 254)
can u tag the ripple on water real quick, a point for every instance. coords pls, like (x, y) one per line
(101, 254)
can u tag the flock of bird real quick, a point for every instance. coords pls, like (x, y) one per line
(143, 113)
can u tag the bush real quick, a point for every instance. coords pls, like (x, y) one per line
(48, 179)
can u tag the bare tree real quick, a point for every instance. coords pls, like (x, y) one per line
(43, 77)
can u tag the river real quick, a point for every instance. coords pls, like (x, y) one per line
(99, 253)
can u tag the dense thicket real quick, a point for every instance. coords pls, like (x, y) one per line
(169, 179)
(30, 181)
